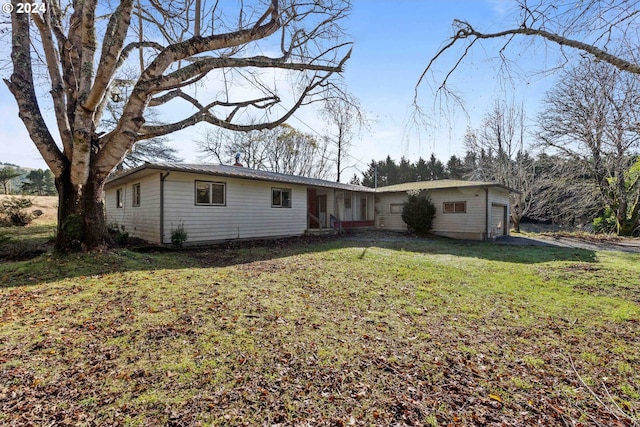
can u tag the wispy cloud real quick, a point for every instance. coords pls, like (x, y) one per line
(501, 7)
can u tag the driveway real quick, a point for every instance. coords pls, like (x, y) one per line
(591, 243)
(579, 242)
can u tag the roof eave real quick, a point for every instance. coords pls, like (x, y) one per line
(116, 180)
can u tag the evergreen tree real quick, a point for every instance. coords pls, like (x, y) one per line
(422, 170)
(455, 168)
(406, 171)
(6, 175)
(436, 168)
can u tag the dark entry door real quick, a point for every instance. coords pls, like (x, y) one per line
(322, 210)
(312, 207)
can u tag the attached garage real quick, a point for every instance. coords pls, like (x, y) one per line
(464, 209)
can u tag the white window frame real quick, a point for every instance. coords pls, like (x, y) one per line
(135, 191)
(120, 198)
(281, 191)
(211, 184)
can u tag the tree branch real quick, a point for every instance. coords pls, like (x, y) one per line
(126, 51)
(22, 88)
(196, 45)
(204, 115)
(57, 85)
(206, 65)
(111, 47)
(466, 31)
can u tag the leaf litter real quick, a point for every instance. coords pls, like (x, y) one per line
(321, 337)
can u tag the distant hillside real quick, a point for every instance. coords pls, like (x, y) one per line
(3, 164)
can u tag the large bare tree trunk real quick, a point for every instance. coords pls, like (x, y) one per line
(81, 216)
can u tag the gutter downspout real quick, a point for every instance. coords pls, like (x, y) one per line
(163, 177)
(486, 214)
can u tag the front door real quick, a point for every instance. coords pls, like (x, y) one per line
(312, 207)
(322, 210)
(363, 208)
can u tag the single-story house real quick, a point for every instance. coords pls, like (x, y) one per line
(464, 209)
(218, 202)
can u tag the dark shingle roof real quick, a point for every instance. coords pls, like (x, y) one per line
(238, 172)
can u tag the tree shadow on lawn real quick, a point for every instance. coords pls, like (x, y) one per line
(50, 267)
(524, 251)
(515, 249)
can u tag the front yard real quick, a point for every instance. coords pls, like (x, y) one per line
(323, 332)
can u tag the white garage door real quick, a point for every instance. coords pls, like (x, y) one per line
(498, 226)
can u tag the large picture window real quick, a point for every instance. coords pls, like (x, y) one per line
(136, 194)
(455, 207)
(210, 193)
(280, 197)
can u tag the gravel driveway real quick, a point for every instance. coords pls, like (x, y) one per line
(592, 244)
(561, 240)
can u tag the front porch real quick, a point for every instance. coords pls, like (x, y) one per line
(339, 210)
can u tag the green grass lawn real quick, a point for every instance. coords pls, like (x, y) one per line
(335, 332)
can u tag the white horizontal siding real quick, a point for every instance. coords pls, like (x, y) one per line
(139, 221)
(471, 224)
(247, 213)
(385, 219)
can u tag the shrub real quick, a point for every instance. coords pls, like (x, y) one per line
(178, 235)
(118, 234)
(605, 223)
(418, 212)
(13, 210)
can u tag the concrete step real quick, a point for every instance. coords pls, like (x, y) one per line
(321, 232)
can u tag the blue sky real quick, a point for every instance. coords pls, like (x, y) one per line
(393, 42)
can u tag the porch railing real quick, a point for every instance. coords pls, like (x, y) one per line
(312, 217)
(335, 223)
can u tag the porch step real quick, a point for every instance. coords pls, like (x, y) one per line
(321, 232)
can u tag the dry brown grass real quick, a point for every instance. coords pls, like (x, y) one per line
(47, 204)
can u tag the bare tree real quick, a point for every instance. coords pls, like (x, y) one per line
(147, 150)
(345, 119)
(602, 30)
(565, 193)
(150, 150)
(232, 53)
(592, 118)
(499, 146)
(283, 150)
